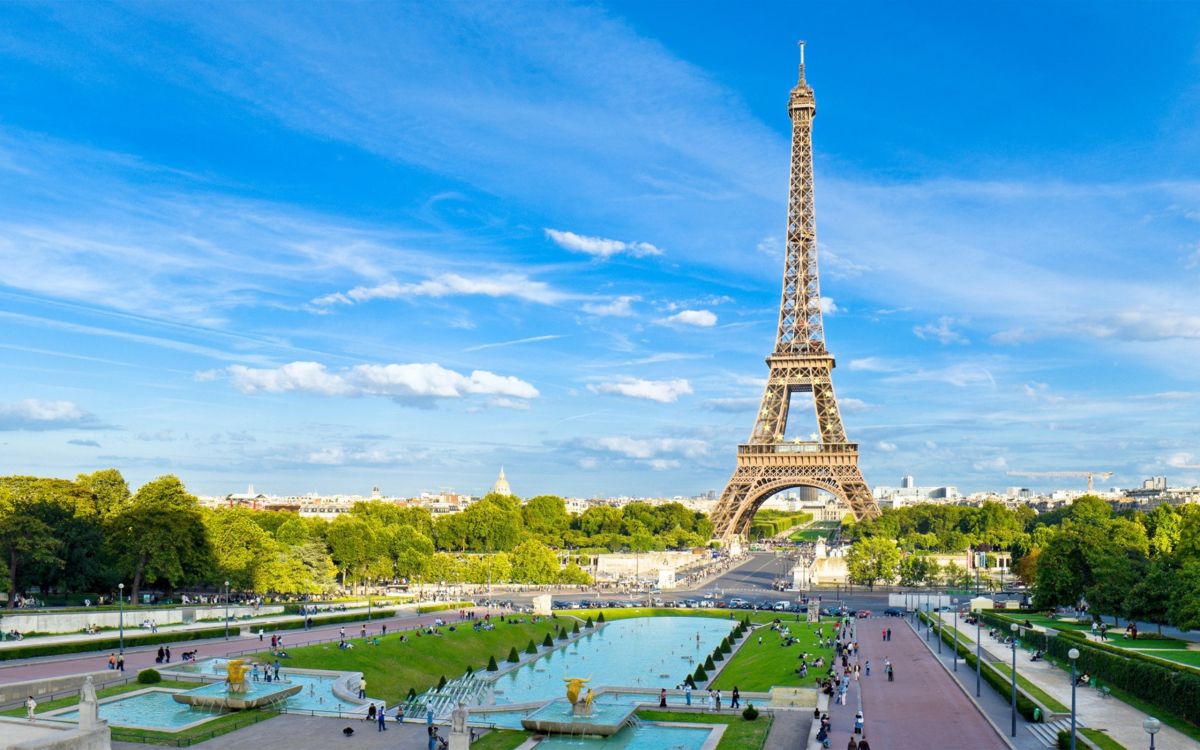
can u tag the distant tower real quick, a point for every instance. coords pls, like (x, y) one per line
(501, 486)
(908, 482)
(766, 464)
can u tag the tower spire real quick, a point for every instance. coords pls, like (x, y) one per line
(801, 78)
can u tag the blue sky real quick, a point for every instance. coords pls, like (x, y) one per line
(321, 247)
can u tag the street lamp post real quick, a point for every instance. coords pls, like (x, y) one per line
(1151, 725)
(1013, 627)
(954, 603)
(938, 623)
(368, 607)
(1073, 654)
(227, 610)
(121, 616)
(978, 656)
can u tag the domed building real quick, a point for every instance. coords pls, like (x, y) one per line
(501, 486)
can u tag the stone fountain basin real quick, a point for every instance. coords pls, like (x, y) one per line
(558, 717)
(236, 701)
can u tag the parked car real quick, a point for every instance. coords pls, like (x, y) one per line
(864, 614)
(893, 612)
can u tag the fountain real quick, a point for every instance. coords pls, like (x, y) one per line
(237, 694)
(578, 716)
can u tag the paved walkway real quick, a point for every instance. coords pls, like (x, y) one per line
(923, 709)
(142, 657)
(789, 731)
(1119, 720)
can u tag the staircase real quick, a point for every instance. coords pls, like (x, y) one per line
(1047, 732)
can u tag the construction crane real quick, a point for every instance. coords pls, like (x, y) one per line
(1089, 474)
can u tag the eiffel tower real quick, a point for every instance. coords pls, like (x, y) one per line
(767, 464)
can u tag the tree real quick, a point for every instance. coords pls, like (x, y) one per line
(1150, 598)
(547, 517)
(241, 548)
(24, 540)
(534, 562)
(873, 559)
(109, 491)
(913, 569)
(354, 546)
(408, 550)
(160, 536)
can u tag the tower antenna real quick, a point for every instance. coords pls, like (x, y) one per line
(801, 44)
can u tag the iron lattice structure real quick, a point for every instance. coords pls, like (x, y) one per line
(800, 363)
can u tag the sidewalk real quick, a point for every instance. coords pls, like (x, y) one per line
(1118, 720)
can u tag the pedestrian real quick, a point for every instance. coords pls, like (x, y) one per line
(433, 738)
(30, 707)
(260, 635)
(883, 634)
(167, 651)
(858, 723)
(277, 671)
(737, 698)
(662, 698)
(362, 688)
(370, 713)
(112, 661)
(856, 669)
(718, 701)
(853, 744)
(382, 716)
(760, 640)
(889, 634)
(863, 744)
(891, 673)
(120, 662)
(399, 713)
(868, 667)
(158, 659)
(687, 693)
(342, 632)
(383, 629)
(429, 716)
(273, 641)
(711, 700)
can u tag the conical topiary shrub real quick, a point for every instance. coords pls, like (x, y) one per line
(589, 624)
(689, 681)
(531, 648)
(575, 628)
(470, 670)
(492, 666)
(699, 675)
(726, 647)
(600, 617)
(547, 641)
(717, 655)
(513, 656)
(441, 683)
(412, 694)
(562, 634)
(708, 663)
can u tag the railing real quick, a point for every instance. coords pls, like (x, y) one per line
(797, 447)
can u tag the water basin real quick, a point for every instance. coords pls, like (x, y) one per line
(645, 737)
(154, 709)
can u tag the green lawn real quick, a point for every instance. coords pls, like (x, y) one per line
(500, 739)
(621, 613)
(756, 667)
(107, 692)
(1101, 740)
(739, 733)
(392, 667)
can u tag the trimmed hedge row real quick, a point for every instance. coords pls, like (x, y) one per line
(427, 608)
(276, 627)
(112, 644)
(999, 682)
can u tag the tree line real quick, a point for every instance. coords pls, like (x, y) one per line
(91, 533)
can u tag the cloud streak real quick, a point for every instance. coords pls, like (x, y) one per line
(398, 381)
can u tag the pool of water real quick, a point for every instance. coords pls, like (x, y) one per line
(638, 652)
(153, 710)
(645, 737)
(602, 713)
(316, 695)
(505, 719)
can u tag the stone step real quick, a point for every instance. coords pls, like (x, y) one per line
(1047, 732)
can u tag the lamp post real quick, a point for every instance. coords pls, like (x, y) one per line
(1073, 654)
(121, 616)
(938, 622)
(227, 610)
(1151, 725)
(978, 656)
(1013, 627)
(954, 603)
(368, 607)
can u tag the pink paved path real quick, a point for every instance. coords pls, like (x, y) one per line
(924, 709)
(143, 656)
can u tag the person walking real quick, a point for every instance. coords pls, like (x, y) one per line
(868, 668)
(260, 634)
(382, 716)
(863, 744)
(711, 700)
(737, 698)
(30, 707)
(687, 693)
(120, 662)
(662, 698)
(718, 701)
(853, 744)
(858, 723)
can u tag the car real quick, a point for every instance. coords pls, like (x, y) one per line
(781, 606)
(863, 614)
(893, 612)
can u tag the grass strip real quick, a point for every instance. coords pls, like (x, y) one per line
(739, 733)
(501, 739)
(1101, 739)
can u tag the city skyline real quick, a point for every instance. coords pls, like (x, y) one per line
(347, 246)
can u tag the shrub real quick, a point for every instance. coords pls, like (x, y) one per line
(441, 682)
(492, 666)
(717, 655)
(531, 648)
(112, 644)
(699, 675)
(708, 663)
(589, 624)
(575, 629)
(726, 647)
(600, 617)
(470, 670)
(562, 634)
(689, 681)
(412, 694)
(547, 641)
(149, 677)
(1063, 740)
(513, 656)
(750, 713)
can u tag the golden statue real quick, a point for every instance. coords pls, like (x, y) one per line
(235, 672)
(587, 701)
(574, 685)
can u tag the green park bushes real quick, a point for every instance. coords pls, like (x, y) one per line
(531, 647)
(427, 608)
(114, 643)
(513, 656)
(768, 524)
(149, 677)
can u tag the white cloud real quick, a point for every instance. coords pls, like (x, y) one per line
(425, 380)
(36, 415)
(828, 306)
(942, 331)
(652, 448)
(732, 405)
(1146, 325)
(875, 364)
(853, 405)
(770, 245)
(662, 391)
(886, 447)
(452, 284)
(621, 307)
(1182, 461)
(1000, 463)
(1041, 392)
(600, 247)
(698, 318)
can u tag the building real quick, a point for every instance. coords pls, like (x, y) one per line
(501, 486)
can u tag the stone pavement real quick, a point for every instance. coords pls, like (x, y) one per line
(300, 732)
(1119, 720)
(923, 709)
(789, 731)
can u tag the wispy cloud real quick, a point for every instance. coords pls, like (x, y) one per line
(514, 342)
(621, 307)
(942, 331)
(600, 247)
(399, 381)
(662, 391)
(449, 284)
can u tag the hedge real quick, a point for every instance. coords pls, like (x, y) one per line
(278, 627)
(998, 681)
(112, 644)
(427, 608)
